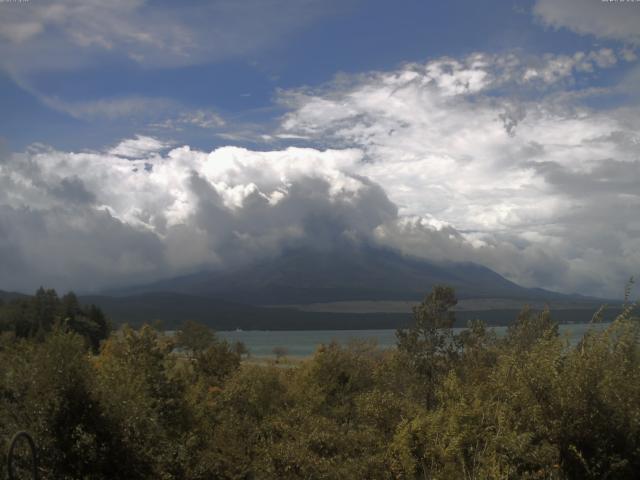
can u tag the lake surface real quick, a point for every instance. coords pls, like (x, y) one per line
(302, 343)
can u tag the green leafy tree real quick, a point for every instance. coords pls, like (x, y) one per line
(142, 395)
(37, 316)
(529, 328)
(195, 337)
(47, 388)
(530, 405)
(430, 344)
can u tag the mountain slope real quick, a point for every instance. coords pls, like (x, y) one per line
(8, 296)
(362, 273)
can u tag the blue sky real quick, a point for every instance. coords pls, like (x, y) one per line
(337, 37)
(145, 139)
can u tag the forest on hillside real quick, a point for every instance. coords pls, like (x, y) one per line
(137, 404)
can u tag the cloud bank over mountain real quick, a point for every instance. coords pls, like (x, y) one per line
(87, 220)
(504, 151)
(495, 159)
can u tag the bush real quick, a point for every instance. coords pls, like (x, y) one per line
(442, 405)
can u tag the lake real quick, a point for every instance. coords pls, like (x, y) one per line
(302, 343)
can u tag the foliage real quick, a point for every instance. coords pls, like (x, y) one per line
(279, 352)
(36, 316)
(442, 405)
(430, 344)
(47, 388)
(194, 336)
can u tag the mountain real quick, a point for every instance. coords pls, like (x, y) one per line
(306, 288)
(302, 276)
(8, 296)
(351, 287)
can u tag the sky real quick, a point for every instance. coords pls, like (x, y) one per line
(141, 140)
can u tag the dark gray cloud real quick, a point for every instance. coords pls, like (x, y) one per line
(72, 190)
(72, 248)
(608, 177)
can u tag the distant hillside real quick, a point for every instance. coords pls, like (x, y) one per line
(302, 276)
(6, 296)
(171, 309)
(347, 288)
(362, 287)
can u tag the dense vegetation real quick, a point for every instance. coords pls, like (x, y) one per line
(442, 405)
(35, 317)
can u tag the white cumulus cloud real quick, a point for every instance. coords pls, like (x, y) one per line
(538, 186)
(469, 159)
(92, 219)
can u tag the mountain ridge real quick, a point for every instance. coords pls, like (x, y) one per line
(300, 276)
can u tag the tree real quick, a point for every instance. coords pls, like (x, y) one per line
(47, 388)
(195, 337)
(37, 316)
(530, 328)
(142, 395)
(214, 364)
(240, 348)
(279, 352)
(429, 344)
